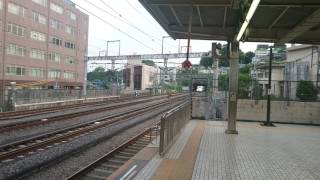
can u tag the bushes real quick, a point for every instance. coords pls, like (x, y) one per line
(306, 91)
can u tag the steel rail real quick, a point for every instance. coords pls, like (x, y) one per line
(83, 171)
(23, 147)
(22, 125)
(33, 112)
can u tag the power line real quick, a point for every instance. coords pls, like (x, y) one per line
(116, 28)
(139, 13)
(126, 21)
(142, 15)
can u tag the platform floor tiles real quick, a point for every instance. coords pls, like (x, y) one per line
(204, 152)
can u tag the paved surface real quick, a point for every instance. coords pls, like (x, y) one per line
(285, 152)
(182, 167)
(175, 151)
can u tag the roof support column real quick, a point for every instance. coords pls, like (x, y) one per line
(233, 88)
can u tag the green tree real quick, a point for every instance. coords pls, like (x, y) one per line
(97, 74)
(223, 82)
(148, 62)
(224, 59)
(105, 78)
(244, 85)
(206, 62)
(257, 90)
(246, 58)
(306, 91)
(244, 82)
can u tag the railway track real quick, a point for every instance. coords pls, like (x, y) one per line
(9, 152)
(103, 167)
(37, 122)
(33, 112)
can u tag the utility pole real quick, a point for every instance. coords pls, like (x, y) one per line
(165, 60)
(268, 122)
(107, 52)
(84, 92)
(318, 68)
(3, 82)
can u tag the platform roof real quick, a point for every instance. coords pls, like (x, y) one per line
(278, 21)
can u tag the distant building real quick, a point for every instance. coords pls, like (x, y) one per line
(303, 63)
(45, 41)
(262, 54)
(138, 76)
(167, 75)
(261, 74)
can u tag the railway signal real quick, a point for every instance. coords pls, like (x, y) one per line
(186, 64)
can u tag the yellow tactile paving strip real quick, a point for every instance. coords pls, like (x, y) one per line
(182, 168)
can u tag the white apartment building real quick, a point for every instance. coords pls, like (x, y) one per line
(303, 63)
(262, 76)
(138, 76)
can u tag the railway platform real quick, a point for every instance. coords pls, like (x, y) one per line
(204, 151)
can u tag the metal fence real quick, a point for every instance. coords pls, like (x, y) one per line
(171, 124)
(306, 91)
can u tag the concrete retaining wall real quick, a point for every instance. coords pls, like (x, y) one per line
(199, 107)
(281, 111)
(61, 103)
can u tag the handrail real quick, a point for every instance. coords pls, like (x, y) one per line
(171, 124)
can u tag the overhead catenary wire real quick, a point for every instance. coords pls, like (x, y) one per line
(143, 16)
(109, 24)
(126, 21)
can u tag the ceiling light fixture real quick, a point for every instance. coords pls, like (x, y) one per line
(252, 10)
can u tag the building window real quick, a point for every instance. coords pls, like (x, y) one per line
(260, 75)
(68, 75)
(71, 15)
(15, 70)
(37, 54)
(69, 45)
(16, 50)
(36, 72)
(69, 60)
(37, 17)
(15, 29)
(56, 8)
(54, 73)
(55, 57)
(56, 24)
(41, 2)
(16, 9)
(38, 36)
(55, 40)
(1, 4)
(70, 30)
(266, 74)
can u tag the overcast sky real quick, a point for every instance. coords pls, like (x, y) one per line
(147, 31)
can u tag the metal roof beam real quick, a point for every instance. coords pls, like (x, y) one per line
(304, 26)
(199, 13)
(176, 16)
(228, 3)
(203, 35)
(279, 17)
(225, 17)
